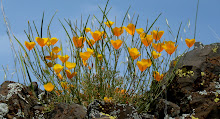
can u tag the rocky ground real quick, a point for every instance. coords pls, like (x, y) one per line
(194, 91)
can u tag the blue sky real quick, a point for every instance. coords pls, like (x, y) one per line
(19, 12)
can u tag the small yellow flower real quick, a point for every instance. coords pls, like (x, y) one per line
(70, 65)
(155, 54)
(194, 117)
(41, 41)
(116, 44)
(56, 49)
(189, 42)
(87, 30)
(216, 99)
(147, 40)
(117, 31)
(64, 58)
(49, 87)
(134, 53)
(97, 35)
(157, 76)
(144, 64)
(202, 73)
(169, 47)
(109, 23)
(130, 29)
(57, 68)
(29, 45)
(140, 30)
(157, 34)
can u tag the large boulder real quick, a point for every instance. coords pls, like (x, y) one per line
(195, 87)
(27, 102)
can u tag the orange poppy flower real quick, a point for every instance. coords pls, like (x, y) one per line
(117, 31)
(109, 23)
(56, 49)
(49, 87)
(143, 35)
(147, 40)
(87, 30)
(122, 91)
(144, 64)
(29, 45)
(157, 34)
(57, 68)
(85, 63)
(41, 41)
(140, 30)
(91, 42)
(130, 29)
(64, 85)
(97, 35)
(189, 42)
(99, 56)
(58, 92)
(60, 76)
(48, 43)
(106, 99)
(104, 34)
(64, 58)
(70, 65)
(158, 47)
(134, 53)
(116, 44)
(157, 76)
(52, 56)
(90, 50)
(53, 40)
(50, 64)
(85, 55)
(69, 74)
(78, 42)
(155, 54)
(169, 47)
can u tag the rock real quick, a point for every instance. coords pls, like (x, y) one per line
(68, 111)
(19, 100)
(121, 111)
(196, 83)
